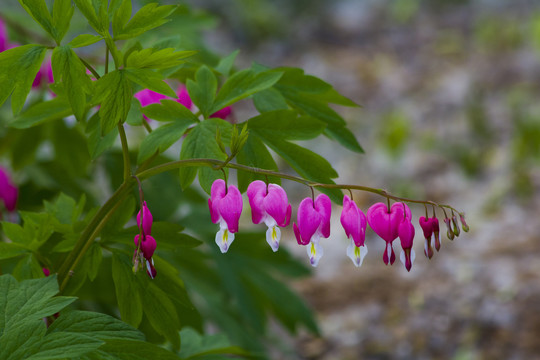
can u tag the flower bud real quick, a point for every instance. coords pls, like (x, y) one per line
(435, 224)
(463, 223)
(455, 225)
(449, 233)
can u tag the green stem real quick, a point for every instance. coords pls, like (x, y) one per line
(89, 67)
(125, 152)
(89, 233)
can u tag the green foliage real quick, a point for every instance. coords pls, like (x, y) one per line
(70, 166)
(27, 306)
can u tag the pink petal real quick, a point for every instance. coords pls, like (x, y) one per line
(324, 206)
(406, 234)
(9, 193)
(256, 192)
(3, 36)
(147, 97)
(217, 192)
(308, 219)
(147, 219)
(378, 218)
(353, 221)
(427, 226)
(386, 258)
(230, 208)
(435, 224)
(183, 97)
(148, 246)
(277, 204)
(223, 113)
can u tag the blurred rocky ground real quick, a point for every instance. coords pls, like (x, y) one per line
(449, 93)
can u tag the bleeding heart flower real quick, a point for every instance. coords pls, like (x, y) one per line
(354, 223)
(147, 219)
(313, 223)
(225, 208)
(148, 246)
(385, 223)
(8, 191)
(427, 228)
(406, 237)
(271, 206)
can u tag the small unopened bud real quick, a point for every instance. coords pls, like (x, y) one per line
(463, 223)
(435, 224)
(455, 225)
(449, 233)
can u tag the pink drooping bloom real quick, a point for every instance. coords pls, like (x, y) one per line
(44, 75)
(313, 223)
(406, 237)
(46, 272)
(148, 244)
(147, 219)
(427, 227)
(8, 191)
(225, 208)
(385, 222)
(269, 204)
(354, 223)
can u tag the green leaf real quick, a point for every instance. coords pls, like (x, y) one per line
(93, 256)
(61, 17)
(97, 143)
(243, 84)
(127, 294)
(255, 154)
(18, 69)
(95, 325)
(171, 237)
(134, 350)
(11, 250)
(203, 90)
(306, 163)
(225, 65)
(169, 110)
(57, 108)
(68, 67)
(114, 92)
(269, 100)
(201, 143)
(121, 17)
(151, 80)
(198, 346)
(345, 137)
(286, 125)
(16, 233)
(148, 17)
(39, 12)
(27, 267)
(89, 12)
(161, 313)
(157, 59)
(29, 299)
(84, 40)
(162, 138)
(62, 345)
(71, 149)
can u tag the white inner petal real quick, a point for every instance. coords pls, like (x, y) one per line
(224, 238)
(402, 257)
(273, 235)
(269, 221)
(315, 252)
(356, 254)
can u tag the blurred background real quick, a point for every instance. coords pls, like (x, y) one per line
(449, 92)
